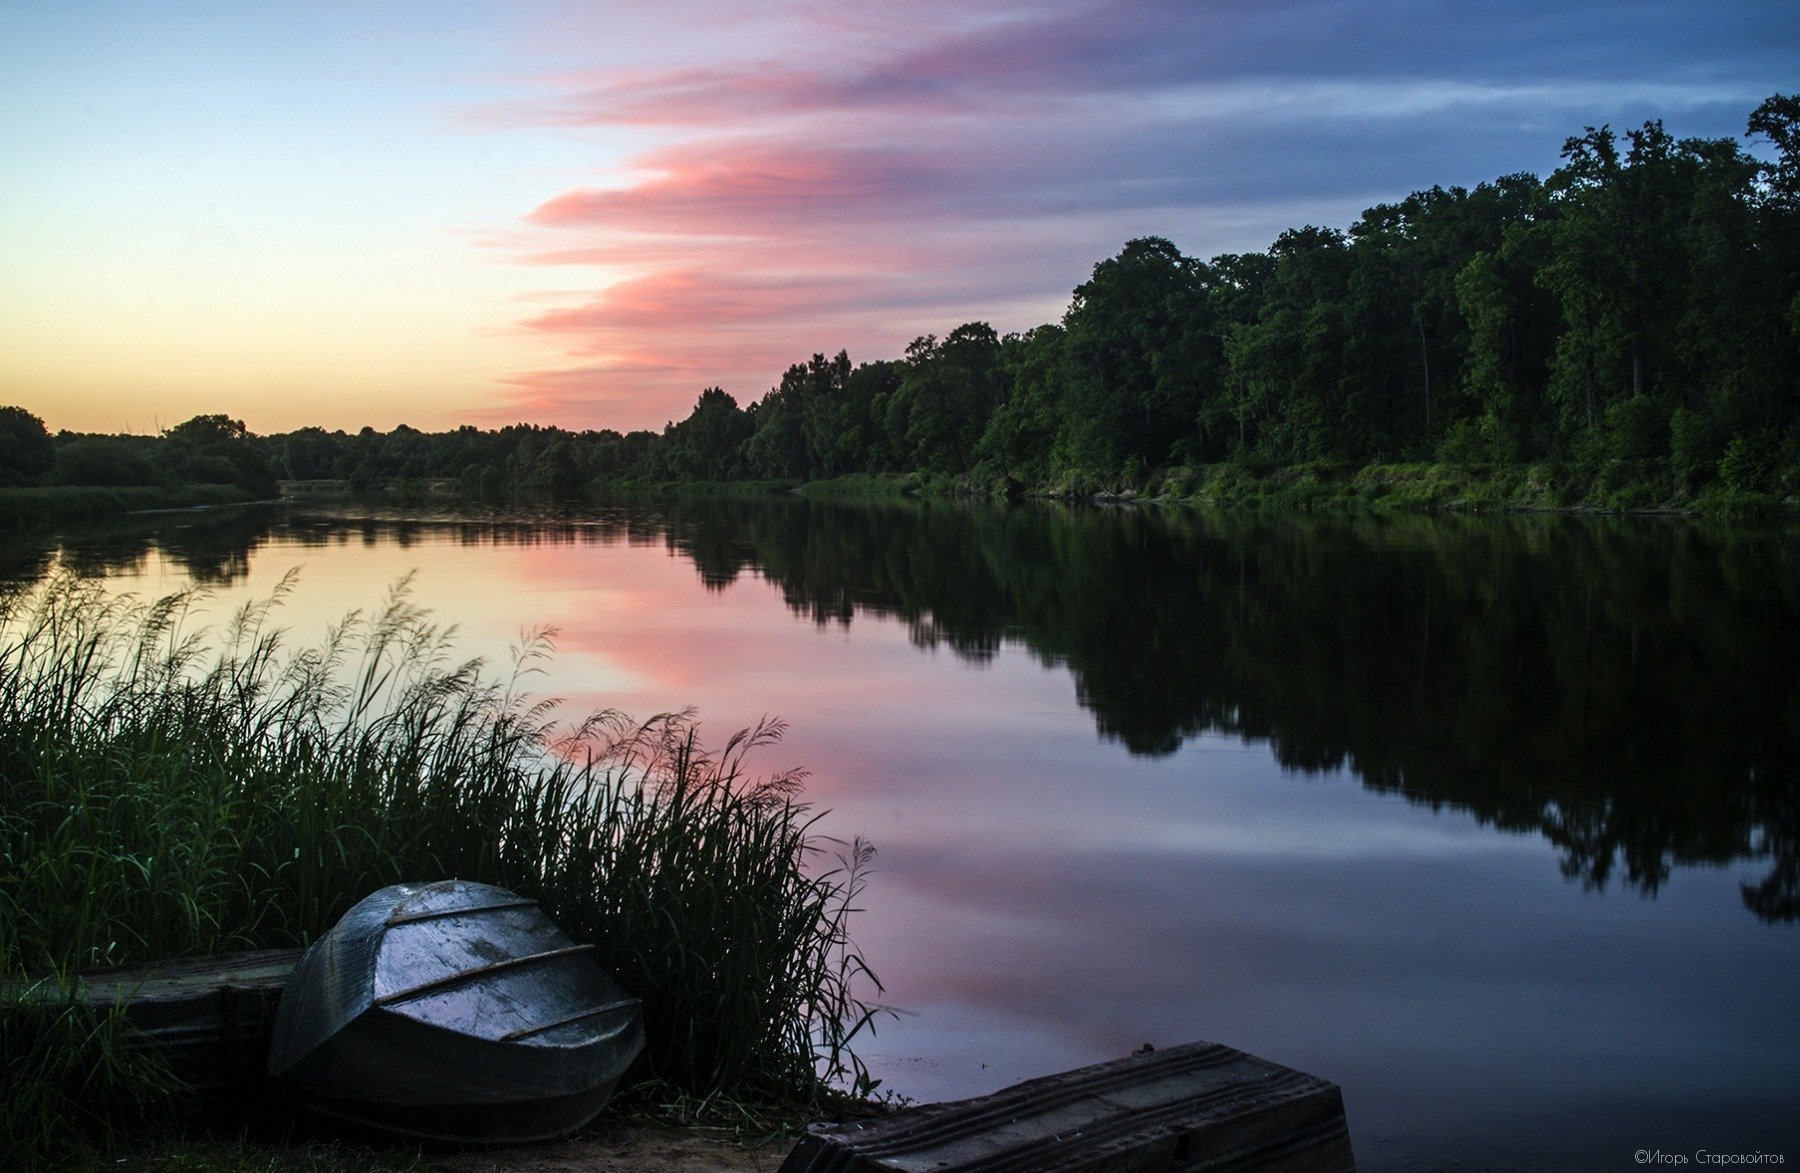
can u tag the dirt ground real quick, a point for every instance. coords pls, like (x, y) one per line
(628, 1148)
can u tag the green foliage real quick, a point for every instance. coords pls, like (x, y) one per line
(1019, 438)
(1778, 120)
(844, 423)
(551, 474)
(216, 450)
(862, 487)
(1137, 351)
(26, 450)
(1748, 463)
(167, 790)
(707, 445)
(107, 460)
(1736, 504)
(72, 1077)
(949, 390)
(1638, 428)
(1466, 443)
(1692, 455)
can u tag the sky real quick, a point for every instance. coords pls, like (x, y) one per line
(583, 214)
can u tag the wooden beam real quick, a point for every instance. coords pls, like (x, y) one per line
(1201, 1106)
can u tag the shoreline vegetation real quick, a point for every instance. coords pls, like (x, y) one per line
(1623, 335)
(168, 788)
(1419, 487)
(20, 507)
(1423, 487)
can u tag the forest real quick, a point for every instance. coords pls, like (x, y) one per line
(1623, 333)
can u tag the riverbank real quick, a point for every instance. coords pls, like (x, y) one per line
(22, 507)
(1415, 487)
(1438, 487)
(1426, 487)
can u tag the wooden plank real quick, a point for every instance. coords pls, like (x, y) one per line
(174, 979)
(210, 1017)
(1196, 1107)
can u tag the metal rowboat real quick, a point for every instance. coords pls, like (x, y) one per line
(454, 1012)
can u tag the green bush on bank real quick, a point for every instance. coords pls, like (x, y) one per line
(165, 790)
(881, 487)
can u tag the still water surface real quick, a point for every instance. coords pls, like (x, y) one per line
(1495, 823)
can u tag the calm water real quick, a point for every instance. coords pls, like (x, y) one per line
(1496, 823)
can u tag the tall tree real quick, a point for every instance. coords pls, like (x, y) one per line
(1140, 356)
(947, 392)
(1287, 363)
(777, 448)
(708, 444)
(1017, 444)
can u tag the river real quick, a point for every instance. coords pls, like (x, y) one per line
(1493, 822)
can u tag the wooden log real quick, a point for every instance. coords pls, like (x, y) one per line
(1195, 1107)
(210, 1017)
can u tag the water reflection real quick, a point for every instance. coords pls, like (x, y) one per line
(211, 547)
(1627, 689)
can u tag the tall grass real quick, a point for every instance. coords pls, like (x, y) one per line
(168, 788)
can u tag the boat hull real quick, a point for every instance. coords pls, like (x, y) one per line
(454, 1012)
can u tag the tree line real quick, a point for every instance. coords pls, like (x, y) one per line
(205, 450)
(1635, 316)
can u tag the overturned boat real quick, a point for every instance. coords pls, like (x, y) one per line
(454, 1012)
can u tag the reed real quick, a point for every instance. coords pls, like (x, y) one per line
(167, 788)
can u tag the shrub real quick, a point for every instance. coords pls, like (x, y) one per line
(1747, 464)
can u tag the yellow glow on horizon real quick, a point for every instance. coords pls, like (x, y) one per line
(426, 345)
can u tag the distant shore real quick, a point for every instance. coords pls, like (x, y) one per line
(27, 506)
(1428, 487)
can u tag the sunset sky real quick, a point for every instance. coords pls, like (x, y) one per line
(582, 214)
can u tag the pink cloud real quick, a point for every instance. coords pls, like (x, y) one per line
(711, 96)
(745, 189)
(843, 250)
(690, 299)
(745, 257)
(902, 187)
(645, 346)
(631, 390)
(576, 396)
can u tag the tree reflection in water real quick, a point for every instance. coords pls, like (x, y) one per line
(1627, 688)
